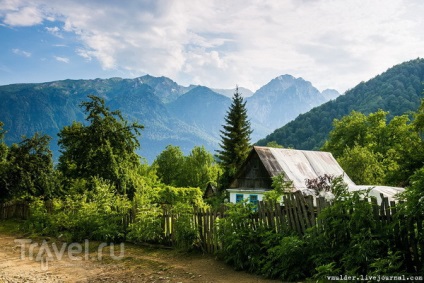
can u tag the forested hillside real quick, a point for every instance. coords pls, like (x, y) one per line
(171, 113)
(398, 90)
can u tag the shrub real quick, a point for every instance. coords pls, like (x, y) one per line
(96, 214)
(348, 234)
(287, 260)
(186, 236)
(239, 241)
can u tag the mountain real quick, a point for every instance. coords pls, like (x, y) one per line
(229, 92)
(171, 114)
(164, 88)
(398, 90)
(203, 108)
(283, 99)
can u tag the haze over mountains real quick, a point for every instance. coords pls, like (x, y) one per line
(399, 90)
(171, 114)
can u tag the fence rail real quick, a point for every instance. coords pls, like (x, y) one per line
(296, 213)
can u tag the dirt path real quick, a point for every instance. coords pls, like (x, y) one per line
(139, 264)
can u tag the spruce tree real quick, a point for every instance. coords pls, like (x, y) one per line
(235, 139)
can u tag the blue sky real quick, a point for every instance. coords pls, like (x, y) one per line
(217, 43)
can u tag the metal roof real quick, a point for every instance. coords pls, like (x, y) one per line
(389, 192)
(300, 165)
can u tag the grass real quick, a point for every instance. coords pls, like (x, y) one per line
(11, 227)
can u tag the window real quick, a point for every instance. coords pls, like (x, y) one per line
(239, 198)
(253, 199)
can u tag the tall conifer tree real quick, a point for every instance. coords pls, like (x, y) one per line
(235, 139)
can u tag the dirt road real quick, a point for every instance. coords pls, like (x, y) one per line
(82, 264)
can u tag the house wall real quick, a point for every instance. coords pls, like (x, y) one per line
(253, 175)
(246, 195)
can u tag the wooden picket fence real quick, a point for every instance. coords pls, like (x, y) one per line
(14, 209)
(295, 214)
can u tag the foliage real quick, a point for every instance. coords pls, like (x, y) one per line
(280, 186)
(171, 196)
(372, 151)
(150, 204)
(235, 138)
(347, 234)
(27, 169)
(195, 170)
(147, 226)
(274, 144)
(200, 168)
(96, 214)
(388, 264)
(287, 260)
(186, 235)
(239, 240)
(413, 196)
(104, 148)
(169, 164)
(321, 184)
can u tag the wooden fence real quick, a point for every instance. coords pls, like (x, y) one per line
(14, 209)
(296, 214)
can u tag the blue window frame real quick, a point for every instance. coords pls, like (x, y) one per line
(253, 199)
(239, 198)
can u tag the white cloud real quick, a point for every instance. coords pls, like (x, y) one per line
(54, 31)
(61, 59)
(221, 43)
(27, 16)
(21, 52)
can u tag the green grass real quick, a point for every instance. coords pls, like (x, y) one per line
(11, 227)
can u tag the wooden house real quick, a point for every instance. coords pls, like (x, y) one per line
(210, 191)
(254, 177)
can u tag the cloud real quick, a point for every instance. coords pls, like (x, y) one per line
(334, 44)
(54, 31)
(21, 52)
(26, 16)
(61, 59)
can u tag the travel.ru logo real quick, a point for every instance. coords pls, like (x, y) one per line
(45, 252)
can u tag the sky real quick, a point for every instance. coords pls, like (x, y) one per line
(216, 43)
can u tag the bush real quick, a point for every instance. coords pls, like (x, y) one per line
(288, 260)
(147, 226)
(348, 234)
(239, 240)
(94, 215)
(186, 236)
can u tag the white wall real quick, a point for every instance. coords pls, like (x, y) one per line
(246, 195)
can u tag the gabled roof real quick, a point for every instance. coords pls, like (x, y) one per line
(300, 165)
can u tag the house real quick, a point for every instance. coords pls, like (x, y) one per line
(210, 191)
(254, 177)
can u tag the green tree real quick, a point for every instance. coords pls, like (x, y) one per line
(169, 164)
(104, 148)
(274, 144)
(235, 139)
(3, 146)
(28, 169)
(200, 168)
(363, 165)
(419, 119)
(372, 151)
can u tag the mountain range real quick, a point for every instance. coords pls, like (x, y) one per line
(171, 113)
(399, 91)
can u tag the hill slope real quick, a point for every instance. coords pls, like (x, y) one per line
(398, 90)
(171, 114)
